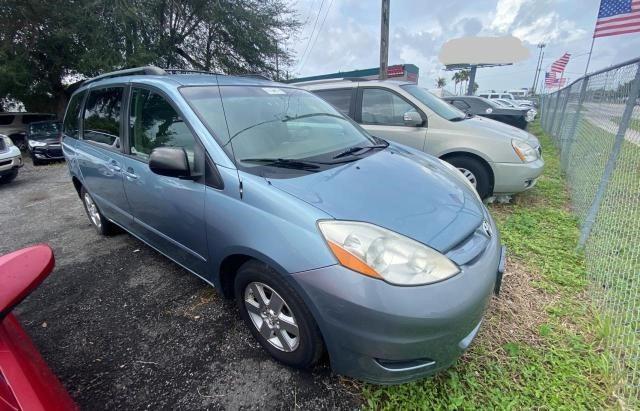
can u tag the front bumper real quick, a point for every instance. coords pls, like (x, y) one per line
(8, 164)
(387, 334)
(511, 178)
(49, 152)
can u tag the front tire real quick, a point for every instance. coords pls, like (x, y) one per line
(276, 316)
(7, 178)
(102, 226)
(474, 171)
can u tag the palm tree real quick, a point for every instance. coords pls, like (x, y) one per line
(464, 78)
(441, 82)
(456, 80)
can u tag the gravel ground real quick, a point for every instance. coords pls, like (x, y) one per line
(124, 327)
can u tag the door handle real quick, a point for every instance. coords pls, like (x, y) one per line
(114, 166)
(130, 174)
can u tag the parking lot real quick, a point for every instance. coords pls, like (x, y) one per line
(124, 327)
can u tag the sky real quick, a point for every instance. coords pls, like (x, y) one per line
(347, 35)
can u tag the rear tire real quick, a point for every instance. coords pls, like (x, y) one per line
(473, 169)
(276, 316)
(102, 226)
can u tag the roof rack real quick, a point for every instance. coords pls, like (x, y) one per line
(148, 70)
(187, 71)
(329, 80)
(255, 75)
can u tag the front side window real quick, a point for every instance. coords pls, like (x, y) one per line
(276, 127)
(460, 104)
(102, 114)
(71, 123)
(338, 98)
(382, 107)
(435, 104)
(153, 123)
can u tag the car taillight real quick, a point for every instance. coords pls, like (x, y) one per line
(7, 399)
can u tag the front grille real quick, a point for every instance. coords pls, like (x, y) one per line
(3, 146)
(5, 162)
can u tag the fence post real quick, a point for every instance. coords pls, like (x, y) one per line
(613, 158)
(574, 124)
(555, 114)
(564, 108)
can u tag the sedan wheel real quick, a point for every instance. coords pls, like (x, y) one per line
(469, 176)
(271, 316)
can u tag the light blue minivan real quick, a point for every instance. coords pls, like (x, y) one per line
(330, 240)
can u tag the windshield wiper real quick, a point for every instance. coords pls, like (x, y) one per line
(282, 163)
(353, 150)
(289, 118)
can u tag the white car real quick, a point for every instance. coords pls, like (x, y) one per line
(10, 159)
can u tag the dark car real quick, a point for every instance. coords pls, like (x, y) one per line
(480, 106)
(43, 139)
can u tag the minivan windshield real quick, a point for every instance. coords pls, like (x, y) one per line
(436, 104)
(278, 126)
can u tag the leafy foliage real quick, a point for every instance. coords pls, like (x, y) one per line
(44, 44)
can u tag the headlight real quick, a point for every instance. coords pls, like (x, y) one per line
(460, 177)
(489, 110)
(384, 254)
(524, 151)
(7, 141)
(34, 143)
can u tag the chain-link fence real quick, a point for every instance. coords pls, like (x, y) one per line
(595, 122)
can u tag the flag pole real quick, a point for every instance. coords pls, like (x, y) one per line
(593, 39)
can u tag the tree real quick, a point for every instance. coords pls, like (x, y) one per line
(456, 80)
(47, 43)
(464, 78)
(441, 82)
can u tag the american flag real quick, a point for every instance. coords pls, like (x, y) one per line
(617, 17)
(559, 65)
(550, 80)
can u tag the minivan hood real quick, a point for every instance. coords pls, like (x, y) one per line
(399, 189)
(494, 128)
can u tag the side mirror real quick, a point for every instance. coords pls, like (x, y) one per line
(412, 119)
(170, 162)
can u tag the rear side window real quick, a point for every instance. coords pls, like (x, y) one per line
(154, 123)
(339, 98)
(102, 114)
(6, 120)
(71, 124)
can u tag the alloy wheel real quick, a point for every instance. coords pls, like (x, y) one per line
(271, 316)
(94, 214)
(469, 176)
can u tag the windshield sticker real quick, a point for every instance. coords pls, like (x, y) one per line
(273, 90)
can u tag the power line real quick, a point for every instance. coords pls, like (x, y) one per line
(317, 33)
(312, 31)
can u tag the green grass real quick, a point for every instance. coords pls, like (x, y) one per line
(541, 345)
(633, 124)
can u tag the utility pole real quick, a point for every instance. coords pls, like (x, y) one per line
(384, 40)
(277, 67)
(536, 74)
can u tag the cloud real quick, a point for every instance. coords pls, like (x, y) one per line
(506, 13)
